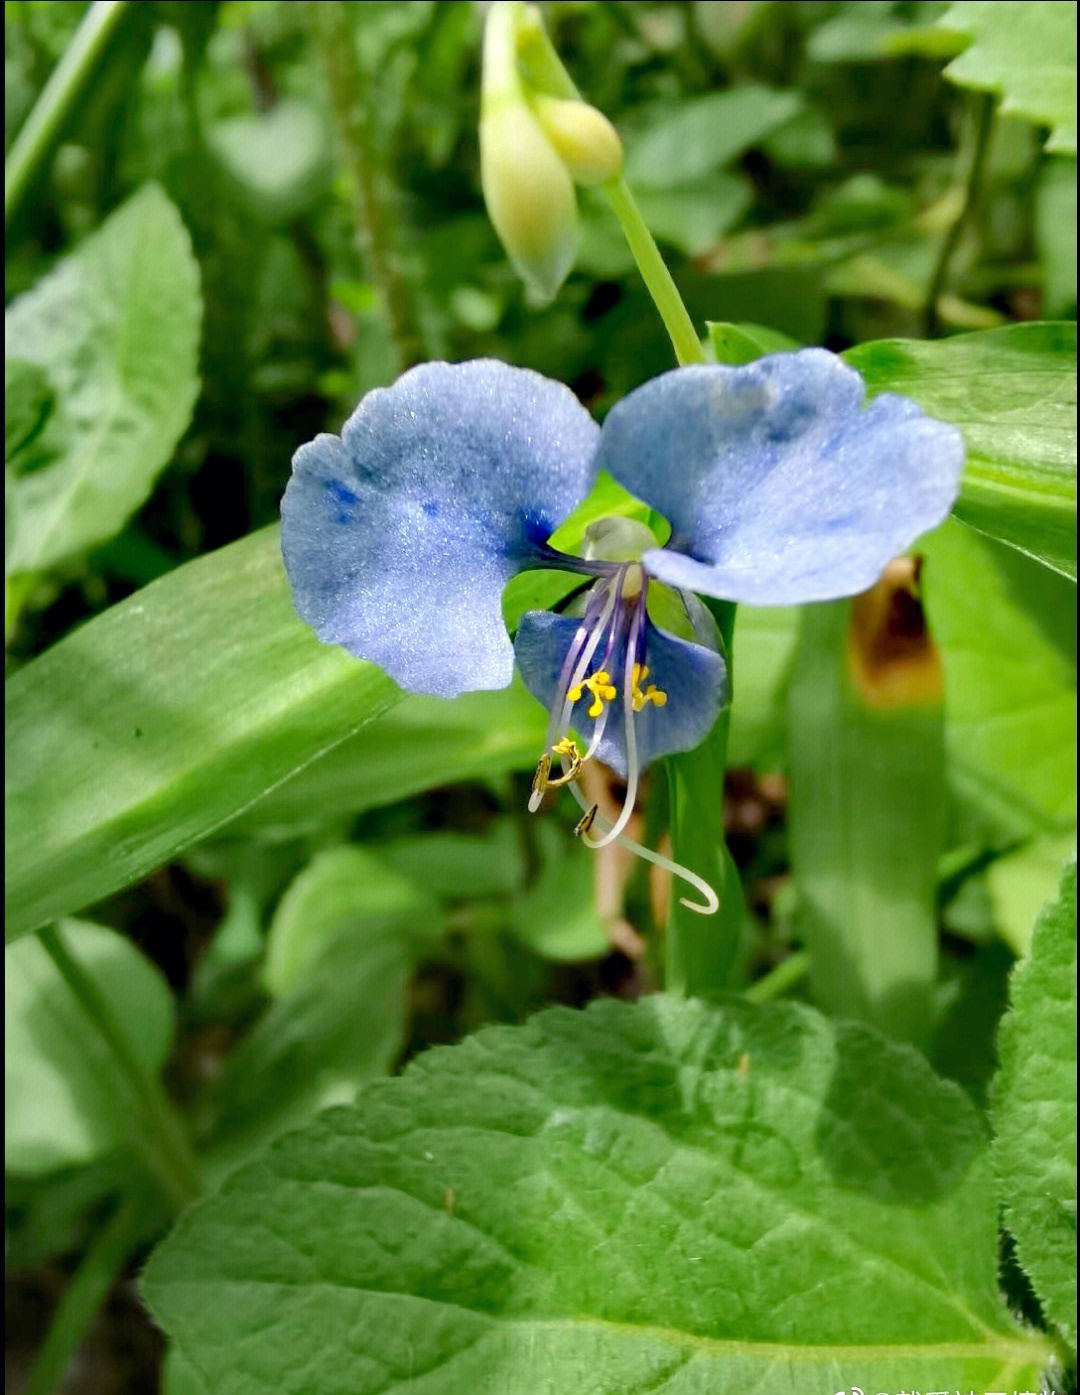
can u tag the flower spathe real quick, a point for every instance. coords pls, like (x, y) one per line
(780, 485)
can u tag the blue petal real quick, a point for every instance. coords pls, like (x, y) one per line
(399, 535)
(779, 485)
(693, 677)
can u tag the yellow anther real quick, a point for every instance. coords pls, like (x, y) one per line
(651, 694)
(540, 782)
(586, 821)
(569, 751)
(600, 686)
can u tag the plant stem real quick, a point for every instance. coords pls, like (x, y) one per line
(331, 27)
(160, 1133)
(83, 1297)
(984, 121)
(543, 66)
(66, 84)
(700, 951)
(777, 981)
(658, 280)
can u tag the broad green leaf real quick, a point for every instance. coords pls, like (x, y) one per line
(1035, 1110)
(341, 889)
(681, 142)
(663, 1193)
(1012, 392)
(159, 720)
(867, 809)
(1024, 51)
(115, 326)
(1006, 630)
(425, 743)
(66, 1102)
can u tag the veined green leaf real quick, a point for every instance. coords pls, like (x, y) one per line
(1012, 392)
(115, 326)
(163, 718)
(662, 1193)
(1035, 1109)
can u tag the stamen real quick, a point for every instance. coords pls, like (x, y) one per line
(540, 782)
(651, 694)
(629, 682)
(569, 752)
(710, 903)
(586, 821)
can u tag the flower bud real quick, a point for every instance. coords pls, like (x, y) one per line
(529, 196)
(583, 137)
(533, 147)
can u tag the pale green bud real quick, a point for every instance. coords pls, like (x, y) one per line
(533, 147)
(583, 137)
(529, 196)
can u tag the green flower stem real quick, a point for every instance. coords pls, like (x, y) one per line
(161, 1135)
(544, 69)
(700, 951)
(654, 273)
(83, 1297)
(66, 85)
(777, 981)
(331, 29)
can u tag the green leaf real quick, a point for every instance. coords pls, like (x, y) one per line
(159, 720)
(461, 866)
(1023, 51)
(736, 344)
(1035, 1110)
(423, 744)
(1006, 630)
(660, 1193)
(115, 326)
(341, 1022)
(1022, 882)
(277, 160)
(1012, 392)
(867, 811)
(342, 889)
(33, 430)
(683, 142)
(66, 1102)
(762, 653)
(556, 917)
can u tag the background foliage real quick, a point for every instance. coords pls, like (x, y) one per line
(292, 881)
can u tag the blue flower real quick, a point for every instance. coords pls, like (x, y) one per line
(779, 483)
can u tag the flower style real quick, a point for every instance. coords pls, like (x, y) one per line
(780, 486)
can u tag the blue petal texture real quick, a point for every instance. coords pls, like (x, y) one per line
(694, 678)
(399, 535)
(779, 484)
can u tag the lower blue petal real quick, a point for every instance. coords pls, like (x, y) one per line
(779, 485)
(399, 536)
(693, 677)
